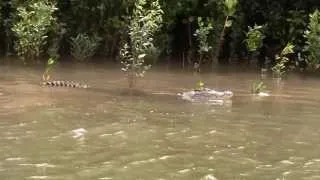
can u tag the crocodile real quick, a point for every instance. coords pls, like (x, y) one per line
(64, 84)
(206, 95)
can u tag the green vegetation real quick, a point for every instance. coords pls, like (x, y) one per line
(258, 87)
(313, 40)
(254, 38)
(280, 68)
(49, 66)
(54, 44)
(144, 23)
(202, 34)
(31, 28)
(141, 33)
(200, 86)
(229, 10)
(84, 47)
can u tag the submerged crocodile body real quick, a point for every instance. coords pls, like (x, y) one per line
(206, 95)
(64, 84)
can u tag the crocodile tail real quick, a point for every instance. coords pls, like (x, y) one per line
(64, 84)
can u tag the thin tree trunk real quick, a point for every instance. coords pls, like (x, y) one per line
(183, 60)
(221, 40)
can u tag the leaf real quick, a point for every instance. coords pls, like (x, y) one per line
(228, 23)
(141, 56)
(51, 61)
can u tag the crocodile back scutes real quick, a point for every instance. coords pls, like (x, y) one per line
(71, 84)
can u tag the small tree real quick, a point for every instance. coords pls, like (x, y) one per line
(313, 41)
(145, 21)
(202, 36)
(254, 38)
(230, 8)
(258, 87)
(49, 67)
(280, 68)
(32, 27)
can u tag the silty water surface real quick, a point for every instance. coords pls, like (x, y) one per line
(103, 133)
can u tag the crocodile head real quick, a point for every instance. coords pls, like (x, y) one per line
(228, 94)
(206, 95)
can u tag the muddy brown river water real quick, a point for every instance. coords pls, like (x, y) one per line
(102, 133)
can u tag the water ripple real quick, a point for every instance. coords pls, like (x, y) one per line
(38, 177)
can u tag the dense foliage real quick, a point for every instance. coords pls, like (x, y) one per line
(313, 40)
(83, 47)
(254, 38)
(31, 28)
(66, 27)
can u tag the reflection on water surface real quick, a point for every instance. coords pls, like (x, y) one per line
(102, 133)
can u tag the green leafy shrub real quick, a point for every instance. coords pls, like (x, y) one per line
(83, 46)
(202, 34)
(254, 38)
(31, 28)
(313, 40)
(280, 68)
(145, 21)
(49, 66)
(258, 87)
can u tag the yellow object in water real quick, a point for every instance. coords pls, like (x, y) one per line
(200, 85)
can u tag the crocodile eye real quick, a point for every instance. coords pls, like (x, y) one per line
(229, 93)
